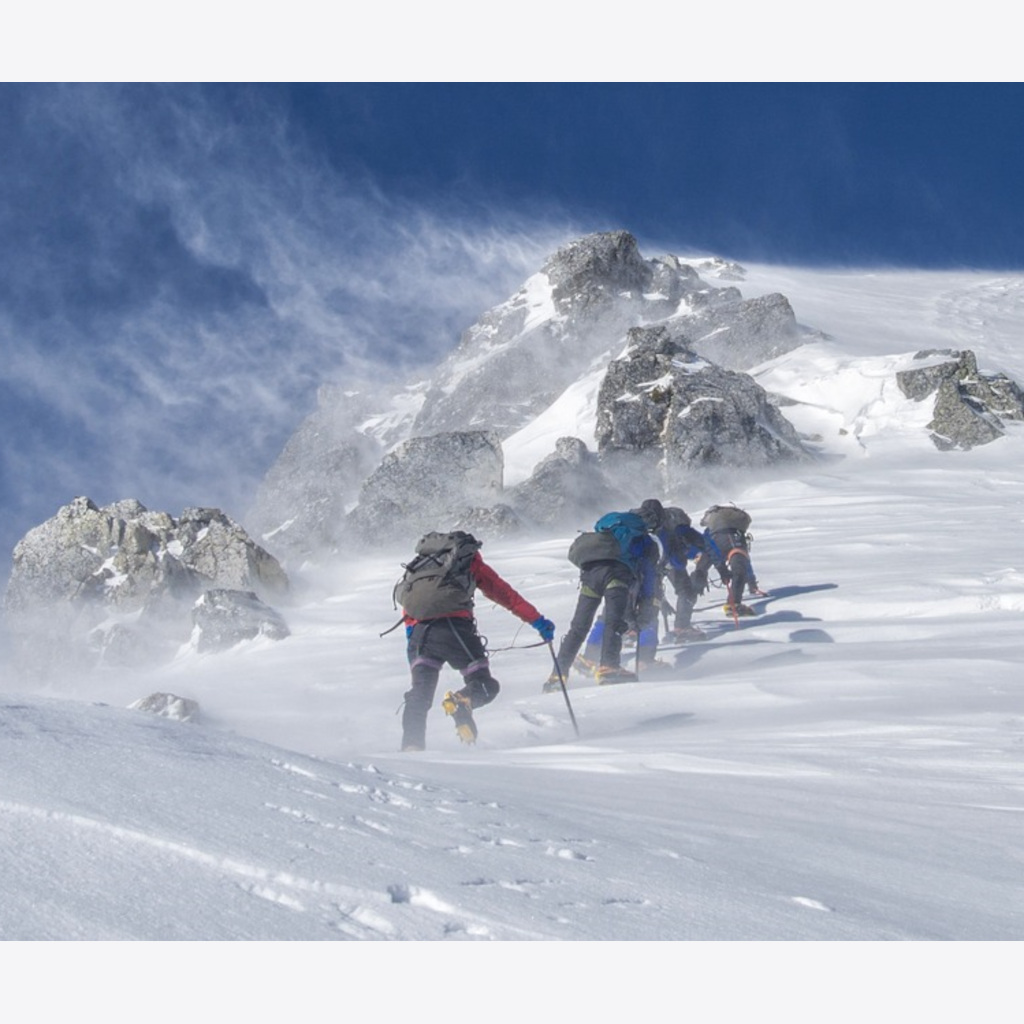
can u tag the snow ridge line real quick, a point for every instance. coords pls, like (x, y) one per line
(257, 881)
(242, 869)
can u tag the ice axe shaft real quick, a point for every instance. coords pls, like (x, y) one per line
(561, 681)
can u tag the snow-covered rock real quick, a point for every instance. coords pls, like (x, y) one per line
(566, 488)
(216, 547)
(664, 408)
(305, 495)
(740, 334)
(223, 618)
(492, 522)
(519, 356)
(969, 406)
(168, 705)
(114, 585)
(427, 482)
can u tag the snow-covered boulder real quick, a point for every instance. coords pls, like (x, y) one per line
(219, 549)
(662, 407)
(428, 482)
(168, 705)
(566, 488)
(114, 585)
(224, 618)
(122, 554)
(740, 334)
(969, 406)
(494, 521)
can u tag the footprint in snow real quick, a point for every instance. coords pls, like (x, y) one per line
(399, 892)
(541, 721)
(564, 853)
(805, 901)
(286, 766)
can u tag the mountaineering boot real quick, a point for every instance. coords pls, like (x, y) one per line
(408, 748)
(552, 684)
(740, 609)
(458, 706)
(685, 635)
(758, 592)
(607, 674)
(584, 666)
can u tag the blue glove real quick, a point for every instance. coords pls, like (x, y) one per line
(546, 628)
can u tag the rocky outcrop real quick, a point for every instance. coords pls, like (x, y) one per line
(739, 334)
(218, 549)
(499, 520)
(921, 381)
(564, 323)
(970, 406)
(123, 554)
(664, 408)
(427, 483)
(566, 488)
(584, 274)
(114, 585)
(520, 355)
(715, 266)
(225, 618)
(302, 501)
(111, 555)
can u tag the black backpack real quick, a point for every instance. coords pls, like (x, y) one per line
(673, 517)
(437, 581)
(594, 546)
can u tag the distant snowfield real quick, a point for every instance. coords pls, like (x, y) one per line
(845, 766)
(883, 312)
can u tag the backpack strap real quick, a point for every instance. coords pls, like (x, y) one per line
(391, 629)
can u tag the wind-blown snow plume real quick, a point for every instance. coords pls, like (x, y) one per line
(181, 272)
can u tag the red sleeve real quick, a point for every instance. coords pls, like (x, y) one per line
(494, 587)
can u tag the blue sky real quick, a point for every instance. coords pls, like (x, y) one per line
(916, 174)
(181, 266)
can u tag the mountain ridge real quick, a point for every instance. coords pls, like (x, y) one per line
(573, 315)
(574, 327)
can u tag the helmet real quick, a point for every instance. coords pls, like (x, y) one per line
(652, 512)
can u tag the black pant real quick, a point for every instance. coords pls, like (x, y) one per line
(431, 645)
(686, 596)
(733, 545)
(610, 582)
(742, 575)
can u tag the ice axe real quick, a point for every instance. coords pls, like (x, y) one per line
(561, 682)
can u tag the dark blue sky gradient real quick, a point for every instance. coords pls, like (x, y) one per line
(918, 175)
(182, 266)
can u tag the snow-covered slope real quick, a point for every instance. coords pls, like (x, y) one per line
(845, 766)
(843, 387)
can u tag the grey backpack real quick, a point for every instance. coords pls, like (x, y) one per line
(726, 517)
(596, 546)
(437, 581)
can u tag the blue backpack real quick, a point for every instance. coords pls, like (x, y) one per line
(627, 528)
